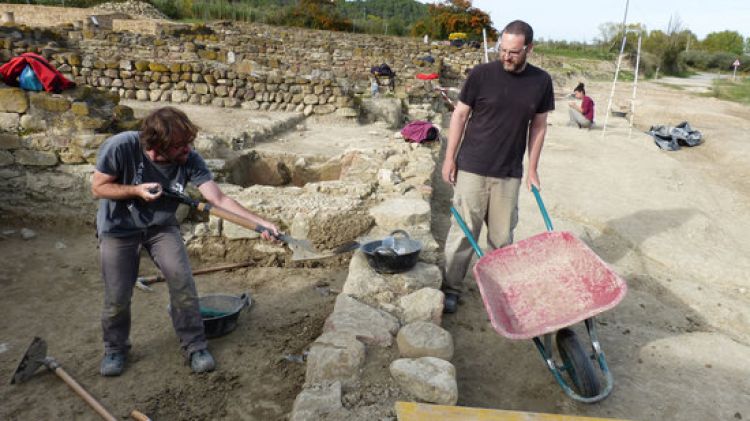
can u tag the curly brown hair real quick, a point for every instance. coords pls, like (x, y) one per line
(165, 127)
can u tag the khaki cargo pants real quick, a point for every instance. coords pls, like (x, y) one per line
(479, 200)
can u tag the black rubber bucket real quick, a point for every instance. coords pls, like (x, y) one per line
(394, 255)
(220, 312)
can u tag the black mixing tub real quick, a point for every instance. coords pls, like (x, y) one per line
(220, 312)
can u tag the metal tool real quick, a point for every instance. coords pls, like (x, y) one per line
(36, 356)
(301, 249)
(143, 282)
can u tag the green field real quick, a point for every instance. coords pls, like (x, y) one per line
(738, 91)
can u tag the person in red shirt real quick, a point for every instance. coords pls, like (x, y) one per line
(583, 115)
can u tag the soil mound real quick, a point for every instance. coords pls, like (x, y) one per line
(133, 8)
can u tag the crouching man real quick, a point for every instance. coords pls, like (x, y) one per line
(131, 170)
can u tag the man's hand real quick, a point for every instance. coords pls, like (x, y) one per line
(532, 178)
(148, 191)
(449, 172)
(272, 228)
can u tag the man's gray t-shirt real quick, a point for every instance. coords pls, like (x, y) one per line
(123, 157)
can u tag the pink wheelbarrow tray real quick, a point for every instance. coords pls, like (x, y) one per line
(537, 288)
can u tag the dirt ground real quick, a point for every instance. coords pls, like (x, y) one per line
(673, 224)
(52, 289)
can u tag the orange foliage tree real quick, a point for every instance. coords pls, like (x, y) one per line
(317, 14)
(454, 16)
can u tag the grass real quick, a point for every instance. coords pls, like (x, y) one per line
(737, 91)
(591, 53)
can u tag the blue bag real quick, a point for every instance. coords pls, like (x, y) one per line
(28, 80)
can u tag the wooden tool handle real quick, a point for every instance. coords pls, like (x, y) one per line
(227, 215)
(93, 403)
(139, 416)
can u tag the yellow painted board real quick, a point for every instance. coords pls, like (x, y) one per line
(413, 411)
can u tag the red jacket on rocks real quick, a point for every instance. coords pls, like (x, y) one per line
(48, 75)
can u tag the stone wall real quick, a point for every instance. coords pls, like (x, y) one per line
(48, 143)
(45, 16)
(260, 66)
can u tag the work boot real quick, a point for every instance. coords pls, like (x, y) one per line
(451, 302)
(113, 364)
(202, 361)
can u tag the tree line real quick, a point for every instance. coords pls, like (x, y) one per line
(677, 48)
(389, 17)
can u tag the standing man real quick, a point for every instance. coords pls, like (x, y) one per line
(501, 112)
(131, 169)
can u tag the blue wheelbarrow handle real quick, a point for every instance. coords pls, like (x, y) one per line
(466, 231)
(542, 209)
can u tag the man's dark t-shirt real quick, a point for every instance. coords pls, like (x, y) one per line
(123, 157)
(502, 104)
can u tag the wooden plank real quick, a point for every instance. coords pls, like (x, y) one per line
(413, 411)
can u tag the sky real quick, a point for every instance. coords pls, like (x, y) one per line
(579, 20)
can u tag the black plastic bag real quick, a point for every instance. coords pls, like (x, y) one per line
(671, 138)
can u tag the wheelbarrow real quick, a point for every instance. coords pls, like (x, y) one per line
(537, 288)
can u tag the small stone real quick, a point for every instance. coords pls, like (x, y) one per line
(60, 245)
(27, 234)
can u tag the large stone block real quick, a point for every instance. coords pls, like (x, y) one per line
(13, 100)
(385, 109)
(369, 325)
(9, 141)
(424, 339)
(319, 402)
(324, 109)
(429, 379)
(48, 102)
(9, 122)
(6, 158)
(33, 123)
(401, 212)
(35, 158)
(335, 356)
(425, 304)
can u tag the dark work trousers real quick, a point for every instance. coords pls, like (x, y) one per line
(120, 258)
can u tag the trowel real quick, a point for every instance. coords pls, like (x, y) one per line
(301, 249)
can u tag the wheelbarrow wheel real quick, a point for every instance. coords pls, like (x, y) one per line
(577, 363)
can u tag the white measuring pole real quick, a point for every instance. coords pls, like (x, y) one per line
(484, 35)
(635, 85)
(617, 69)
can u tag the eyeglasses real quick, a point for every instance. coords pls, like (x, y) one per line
(513, 53)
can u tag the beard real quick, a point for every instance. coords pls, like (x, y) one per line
(514, 65)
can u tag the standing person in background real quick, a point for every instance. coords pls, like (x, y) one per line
(501, 113)
(583, 115)
(131, 169)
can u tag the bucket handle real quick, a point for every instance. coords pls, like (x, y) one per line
(245, 299)
(542, 209)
